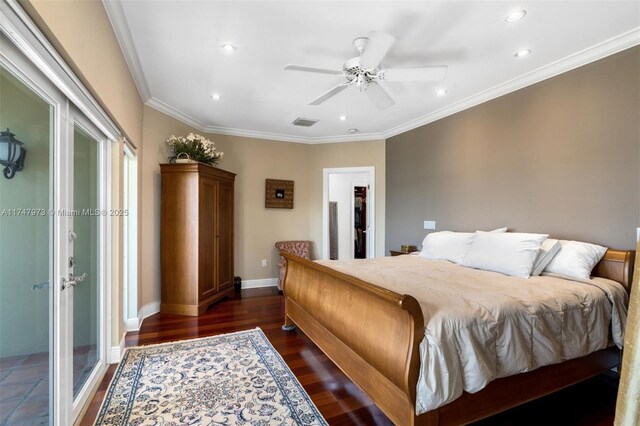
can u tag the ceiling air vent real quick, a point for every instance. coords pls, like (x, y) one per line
(304, 122)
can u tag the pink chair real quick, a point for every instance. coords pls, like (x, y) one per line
(299, 248)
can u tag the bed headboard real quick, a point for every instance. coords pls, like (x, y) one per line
(617, 265)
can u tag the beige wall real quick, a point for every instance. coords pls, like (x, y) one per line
(256, 227)
(82, 34)
(156, 128)
(352, 154)
(559, 157)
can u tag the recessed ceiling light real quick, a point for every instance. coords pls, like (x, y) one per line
(353, 130)
(441, 92)
(216, 97)
(229, 47)
(522, 53)
(343, 117)
(515, 16)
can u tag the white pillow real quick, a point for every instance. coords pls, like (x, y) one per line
(500, 230)
(510, 253)
(548, 250)
(576, 259)
(446, 245)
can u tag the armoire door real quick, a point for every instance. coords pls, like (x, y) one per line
(207, 264)
(225, 235)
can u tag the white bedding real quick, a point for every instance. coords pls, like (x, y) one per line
(482, 325)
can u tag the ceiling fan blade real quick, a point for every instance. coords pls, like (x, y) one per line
(320, 99)
(377, 47)
(415, 74)
(291, 67)
(379, 96)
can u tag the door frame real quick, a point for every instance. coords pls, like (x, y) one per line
(76, 118)
(371, 203)
(130, 242)
(41, 68)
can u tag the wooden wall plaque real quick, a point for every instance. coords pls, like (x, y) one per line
(278, 194)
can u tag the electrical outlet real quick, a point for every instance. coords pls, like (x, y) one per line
(429, 224)
(264, 263)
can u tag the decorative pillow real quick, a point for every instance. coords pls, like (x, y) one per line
(576, 259)
(446, 245)
(510, 253)
(548, 250)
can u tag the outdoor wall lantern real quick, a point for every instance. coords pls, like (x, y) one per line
(11, 154)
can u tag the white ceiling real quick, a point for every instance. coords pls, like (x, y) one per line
(174, 50)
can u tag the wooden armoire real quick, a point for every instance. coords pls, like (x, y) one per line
(196, 243)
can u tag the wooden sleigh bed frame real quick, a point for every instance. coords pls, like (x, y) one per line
(373, 336)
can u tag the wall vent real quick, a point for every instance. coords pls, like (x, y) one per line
(304, 122)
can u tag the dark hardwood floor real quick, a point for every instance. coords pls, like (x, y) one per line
(340, 401)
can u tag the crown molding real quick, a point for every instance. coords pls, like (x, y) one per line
(118, 20)
(591, 54)
(167, 109)
(601, 50)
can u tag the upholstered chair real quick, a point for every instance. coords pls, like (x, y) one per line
(299, 248)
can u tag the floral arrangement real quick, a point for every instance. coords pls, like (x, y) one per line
(194, 147)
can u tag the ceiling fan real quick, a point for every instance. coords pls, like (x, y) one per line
(365, 73)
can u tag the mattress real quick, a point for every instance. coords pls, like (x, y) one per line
(482, 325)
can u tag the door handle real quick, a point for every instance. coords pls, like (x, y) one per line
(72, 281)
(40, 285)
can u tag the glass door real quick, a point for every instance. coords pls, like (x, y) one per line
(26, 254)
(87, 228)
(54, 248)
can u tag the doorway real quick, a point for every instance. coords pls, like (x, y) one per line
(348, 213)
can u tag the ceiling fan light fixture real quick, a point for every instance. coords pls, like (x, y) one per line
(441, 92)
(515, 16)
(229, 47)
(522, 53)
(352, 130)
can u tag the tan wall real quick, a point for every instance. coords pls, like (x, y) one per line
(352, 154)
(256, 227)
(82, 34)
(157, 127)
(559, 157)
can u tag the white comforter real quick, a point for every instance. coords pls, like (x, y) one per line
(482, 325)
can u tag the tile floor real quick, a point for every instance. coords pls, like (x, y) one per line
(24, 385)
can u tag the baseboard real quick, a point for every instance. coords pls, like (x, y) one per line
(134, 324)
(265, 282)
(148, 310)
(116, 352)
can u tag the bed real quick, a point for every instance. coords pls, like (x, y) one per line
(374, 334)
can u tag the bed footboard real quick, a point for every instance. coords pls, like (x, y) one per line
(370, 333)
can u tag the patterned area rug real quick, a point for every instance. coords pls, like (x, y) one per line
(231, 379)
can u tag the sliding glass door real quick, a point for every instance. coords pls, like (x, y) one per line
(53, 248)
(26, 255)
